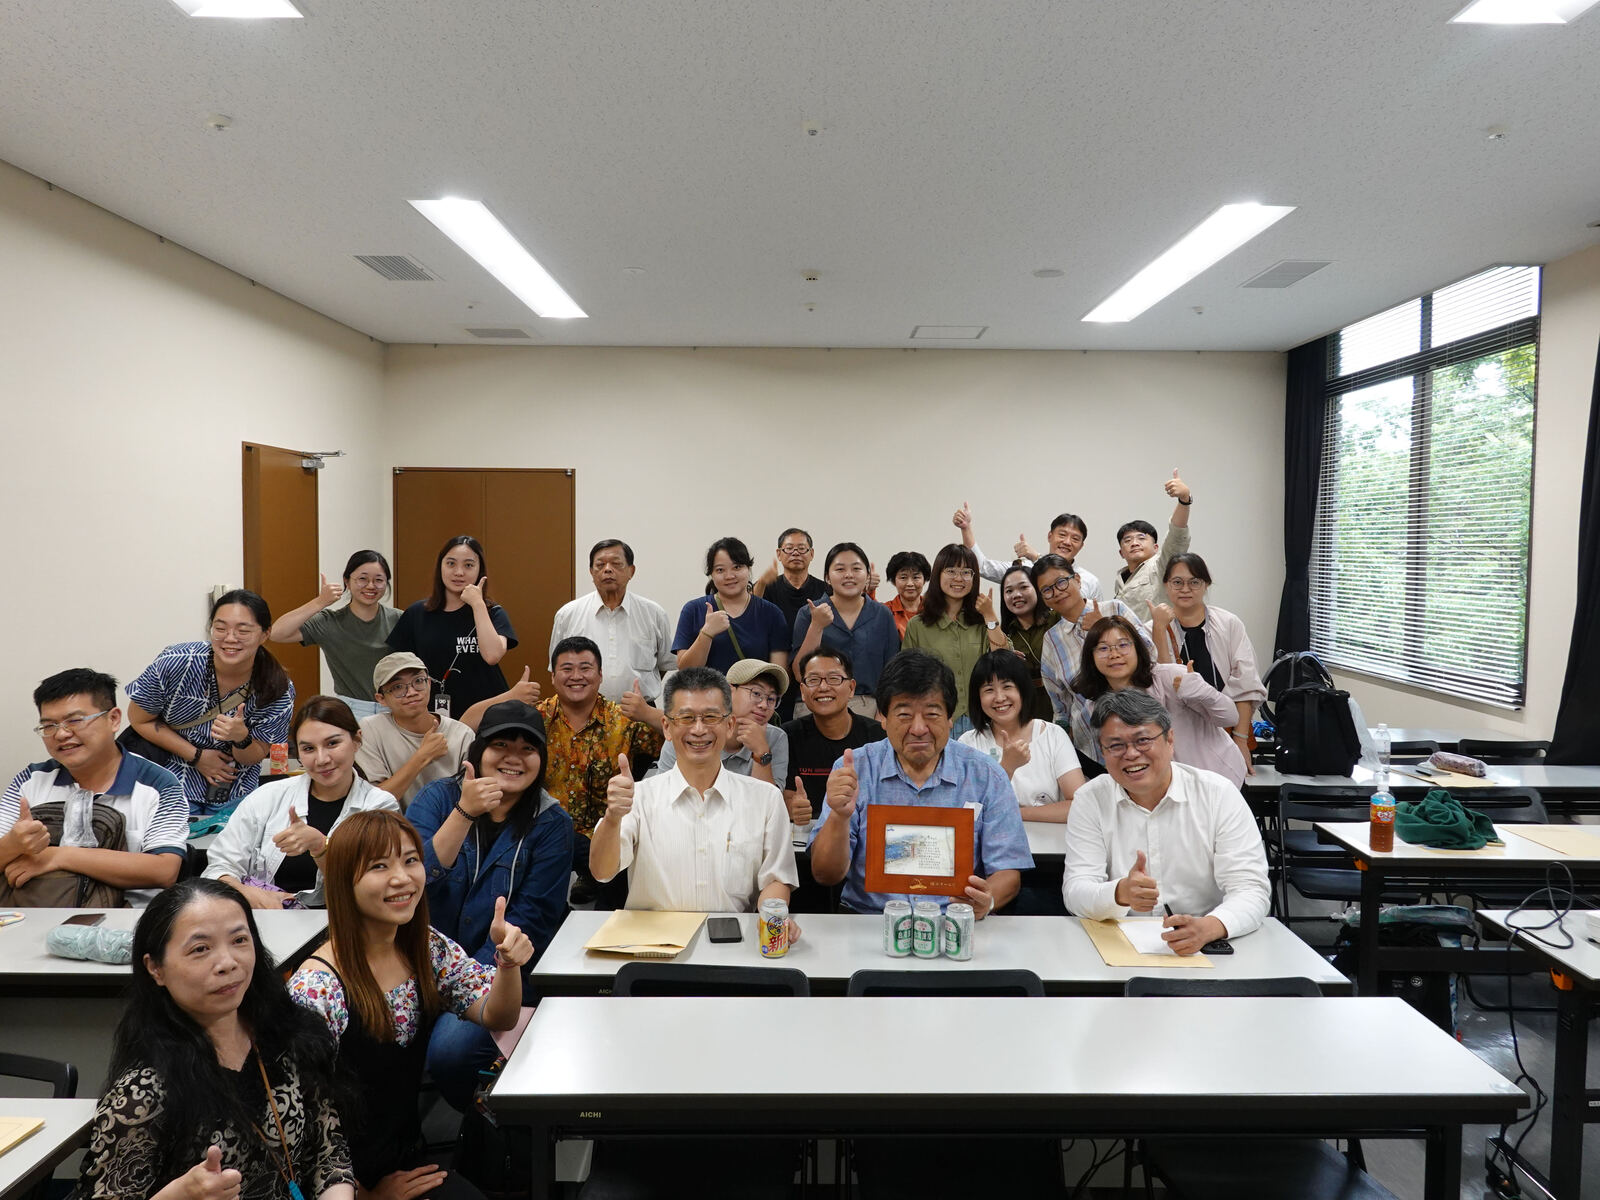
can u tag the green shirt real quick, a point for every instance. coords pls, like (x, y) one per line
(353, 646)
(958, 646)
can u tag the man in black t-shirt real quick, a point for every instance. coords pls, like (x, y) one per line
(788, 584)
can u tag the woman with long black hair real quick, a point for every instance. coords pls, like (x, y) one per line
(221, 1087)
(216, 707)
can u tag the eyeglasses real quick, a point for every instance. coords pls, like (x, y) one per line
(1057, 588)
(760, 696)
(1139, 745)
(1185, 585)
(404, 687)
(800, 549)
(244, 631)
(816, 681)
(71, 724)
(690, 720)
(1121, 647)
(958, 572)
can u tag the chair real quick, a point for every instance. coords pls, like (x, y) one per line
(733, 1167)
(945, 983)
(1262, 1168)
(683, 979)
(1420, 748)
(1507, 753)
(63, 1080)
(1317, 870)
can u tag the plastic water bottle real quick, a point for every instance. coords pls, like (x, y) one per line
(77, 819)
(1383, 742)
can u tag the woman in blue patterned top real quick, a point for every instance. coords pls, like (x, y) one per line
(216, 707)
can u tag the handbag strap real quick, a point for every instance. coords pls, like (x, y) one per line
(732, 636)
(229, 701)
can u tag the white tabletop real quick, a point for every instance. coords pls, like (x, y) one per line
(1046, 839)
(1581, 960)
(1447, 738)
(1518, 851)
(836, 945)
(1068, 1053)
(24, 959)
(1546, 779)
(31, 1160)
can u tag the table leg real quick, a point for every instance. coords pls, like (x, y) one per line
(1570, 1086)
(1367, 934)
(541, 1166)
(1442, 1172)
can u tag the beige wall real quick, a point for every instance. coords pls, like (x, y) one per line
(1569, 331)
(675, 448)
(133, 370)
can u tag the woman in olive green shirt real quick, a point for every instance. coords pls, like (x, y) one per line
(950, 626)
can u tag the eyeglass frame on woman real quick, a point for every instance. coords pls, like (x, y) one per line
(1055, 589)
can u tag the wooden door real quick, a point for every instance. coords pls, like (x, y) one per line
(525, 519)
(280, 547)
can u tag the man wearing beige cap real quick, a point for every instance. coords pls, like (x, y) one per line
(408, 747)
(755, 747)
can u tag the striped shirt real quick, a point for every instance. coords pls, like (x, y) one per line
(154, 812)
(1063, 652)
(180, 686)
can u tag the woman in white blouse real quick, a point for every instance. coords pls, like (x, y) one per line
(271, 848)
(1036, 755)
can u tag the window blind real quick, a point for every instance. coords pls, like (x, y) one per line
(1419, 565)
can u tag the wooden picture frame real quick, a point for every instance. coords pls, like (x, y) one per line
(887, 877)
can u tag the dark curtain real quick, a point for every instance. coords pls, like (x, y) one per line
(1305, 411)
(1577, 736)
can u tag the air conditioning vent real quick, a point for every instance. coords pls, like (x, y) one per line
(1290, 271)
(949, 333)
(398, 268)
(499, 334)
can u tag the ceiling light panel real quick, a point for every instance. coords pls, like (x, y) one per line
(1521, 12)
(1208, 243)
(241, 10)
(476, 230)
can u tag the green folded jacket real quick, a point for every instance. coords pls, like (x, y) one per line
(1443, 822)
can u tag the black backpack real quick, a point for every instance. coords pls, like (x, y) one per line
(1290, 670)
(1316, 734)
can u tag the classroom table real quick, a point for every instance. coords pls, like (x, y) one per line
(68, 1010)
(834, 946)
(1519, 860)
(1566, 791)
(1447, 739)
(1079, 1066)
(66, 1127)
(1575, 972)
(1048, 842)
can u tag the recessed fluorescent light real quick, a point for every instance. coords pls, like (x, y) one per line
(245, 10)
(1521, 12)
(1218, 236)
(474, 228)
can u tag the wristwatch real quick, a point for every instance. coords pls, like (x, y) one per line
(993, 624)
(764, 760)
(244, 745)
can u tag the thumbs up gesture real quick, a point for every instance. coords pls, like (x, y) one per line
(717, 620)
(328, 593)
(619, 791)
(472, 594)
(843, 786)
(29, 836)
(874, 580)
(524, 689)
(230, 727)
(1021, 549)
(1177, 488)
(299, 838)
(1136, 890)
(962, 518)
(1090, 616)
(985, 605)
(822, 614)
(511, 946)
(1015, 752)
(633, 704)
(206, 1180)
(478, 796)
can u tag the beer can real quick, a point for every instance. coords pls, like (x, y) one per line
(772, 928)
(897, 928)
(925, 929)
(959, 924)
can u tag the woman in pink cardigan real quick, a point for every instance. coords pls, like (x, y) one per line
(1116, 657)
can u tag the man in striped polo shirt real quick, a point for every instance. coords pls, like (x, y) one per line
(78, 720)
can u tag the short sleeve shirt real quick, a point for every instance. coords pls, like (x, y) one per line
(447, 642)
(871, 642)
(760, 627)
(385, 748)
(1050, 756)
(581, 762)
(352, 646)
(790, 599)
(811, 755)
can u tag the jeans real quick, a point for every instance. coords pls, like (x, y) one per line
(457, 1051)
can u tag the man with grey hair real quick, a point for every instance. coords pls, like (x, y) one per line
(1158, 835)
(698, 838)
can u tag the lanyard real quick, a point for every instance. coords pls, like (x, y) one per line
(284, 1169)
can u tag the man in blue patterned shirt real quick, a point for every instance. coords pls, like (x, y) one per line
(919, 764)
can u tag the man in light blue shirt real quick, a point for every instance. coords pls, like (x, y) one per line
(919, 764)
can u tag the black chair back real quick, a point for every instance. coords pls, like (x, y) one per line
(1507, 753)
(1156, 985)
(945, 983)
(1418, 748)
(683, 979)
(61, 1076)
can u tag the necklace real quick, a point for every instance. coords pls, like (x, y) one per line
(285, 1168)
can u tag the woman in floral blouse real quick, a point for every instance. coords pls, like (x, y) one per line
(380, 982)
(222, 1088)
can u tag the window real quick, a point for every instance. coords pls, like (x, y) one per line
(1419, 563)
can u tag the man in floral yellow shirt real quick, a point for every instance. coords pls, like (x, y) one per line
(587, 732)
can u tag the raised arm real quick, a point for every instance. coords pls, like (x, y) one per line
(287, 627)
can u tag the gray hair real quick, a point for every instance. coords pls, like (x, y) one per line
(696, 679)
(1134, 706)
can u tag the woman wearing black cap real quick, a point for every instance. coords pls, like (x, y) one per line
(491, 831)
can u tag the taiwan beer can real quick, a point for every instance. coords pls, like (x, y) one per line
(925, 929)
(897, 928)
(773, 929)
(959, 924)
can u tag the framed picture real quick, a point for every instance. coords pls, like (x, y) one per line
(917, 850)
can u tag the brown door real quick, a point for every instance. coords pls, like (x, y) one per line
(280, 547)
(525, 520)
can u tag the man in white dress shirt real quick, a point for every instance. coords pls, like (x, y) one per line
(1156, 833)
(698, 838)
(633, 633)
